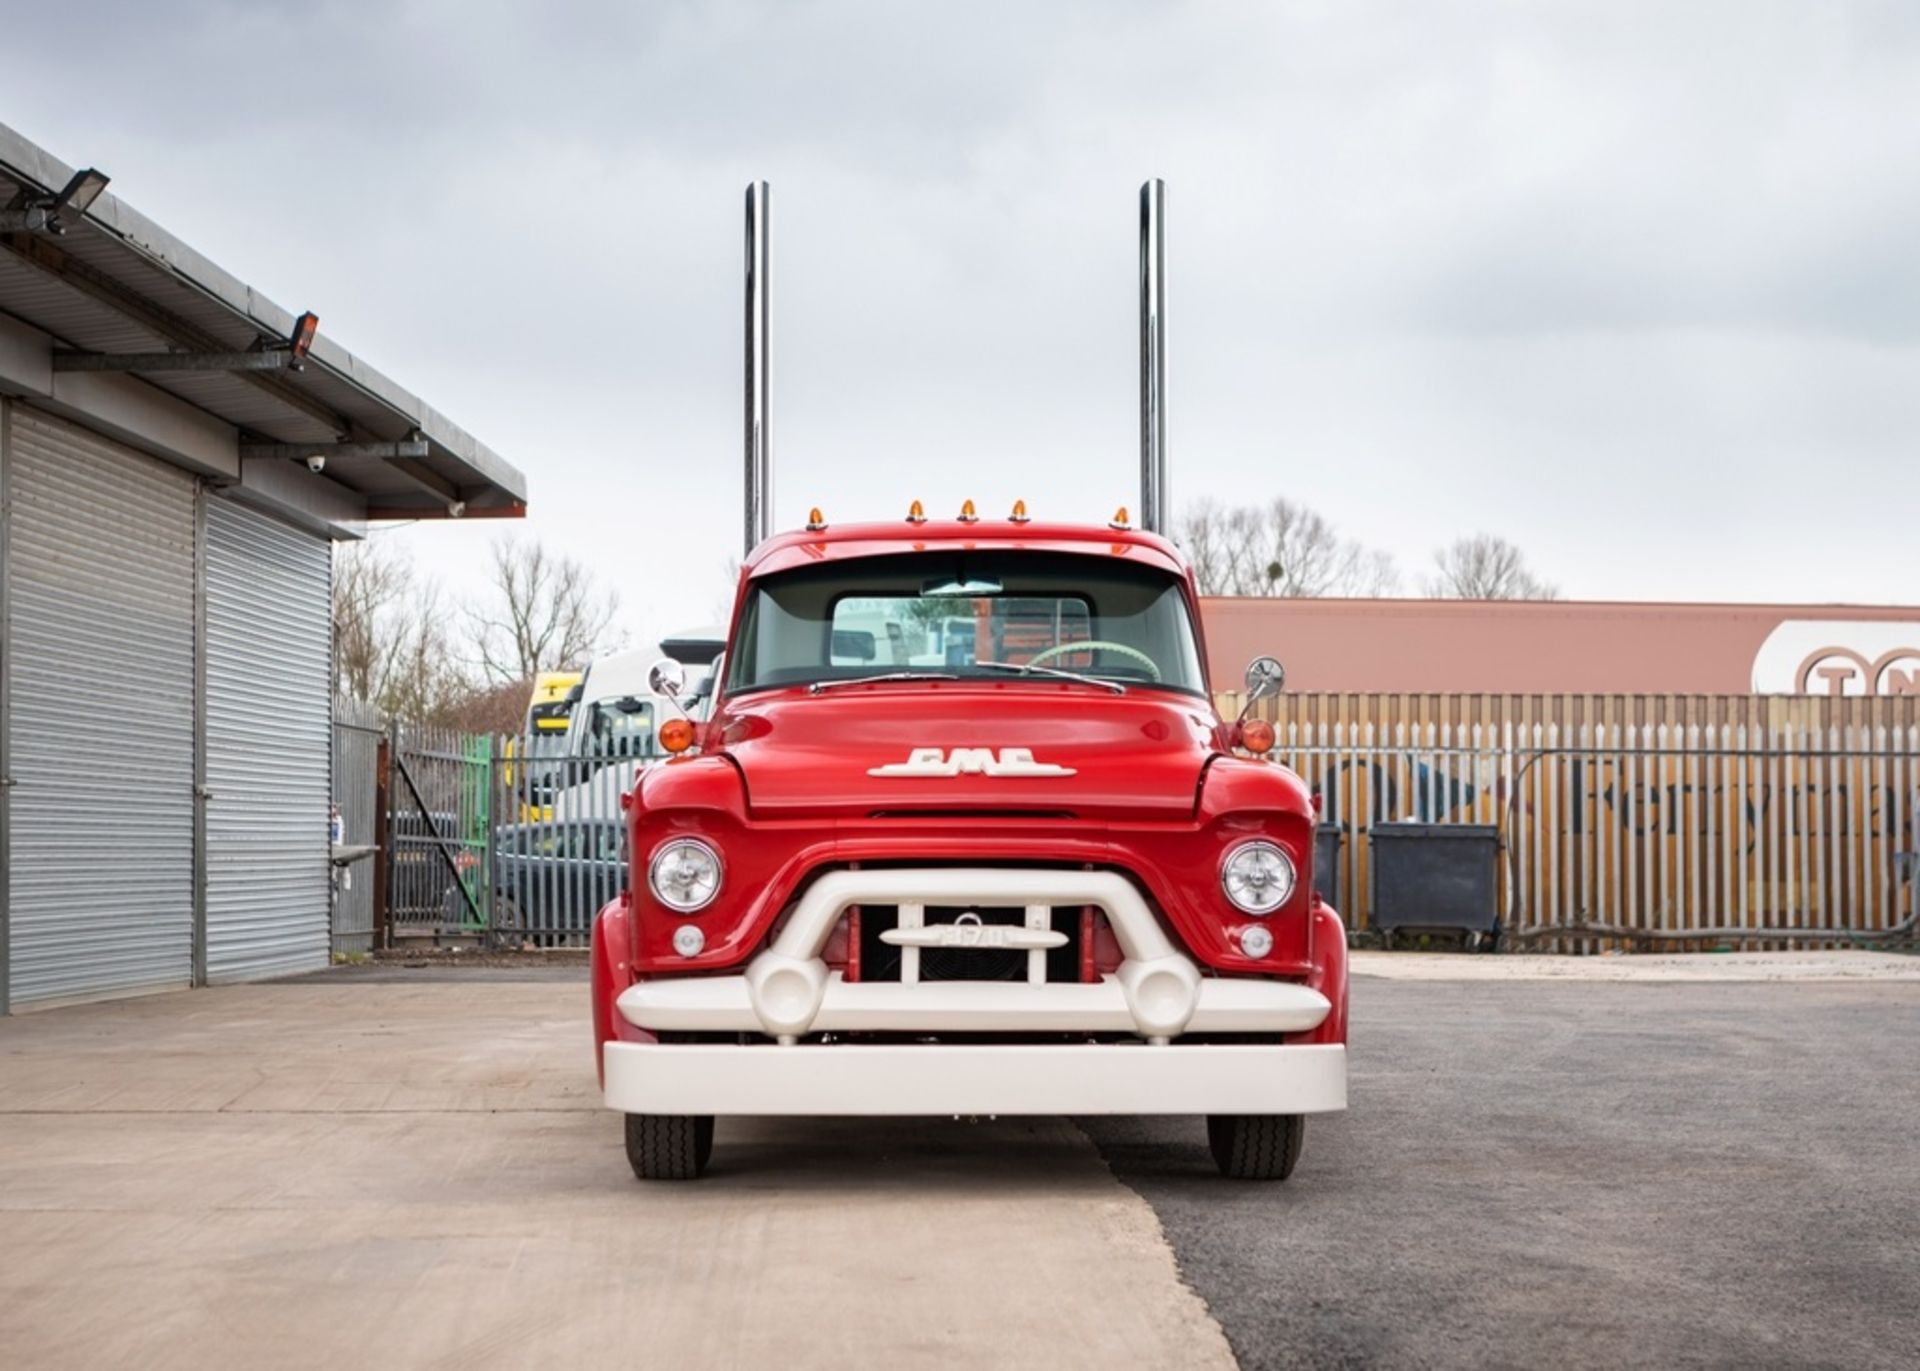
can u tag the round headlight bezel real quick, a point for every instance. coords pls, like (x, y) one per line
(1247, 849)
(669, 848)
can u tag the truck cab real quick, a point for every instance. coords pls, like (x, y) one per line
(961, 833)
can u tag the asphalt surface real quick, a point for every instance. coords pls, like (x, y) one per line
(1569, 1175)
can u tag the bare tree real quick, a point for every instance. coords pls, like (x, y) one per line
(390, 634)
(488, 709)
(543, 612)
(1485, 567)
(1282, 549)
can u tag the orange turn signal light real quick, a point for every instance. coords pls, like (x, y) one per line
(1256, 736)
(676, 735)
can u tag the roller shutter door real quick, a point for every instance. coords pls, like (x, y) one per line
(269, 744)
(100, 743)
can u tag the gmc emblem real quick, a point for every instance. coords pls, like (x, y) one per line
(970, 761)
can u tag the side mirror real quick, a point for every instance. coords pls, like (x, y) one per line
(1265, 677)
(667, 677)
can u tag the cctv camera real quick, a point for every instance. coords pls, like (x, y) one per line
(317, 462)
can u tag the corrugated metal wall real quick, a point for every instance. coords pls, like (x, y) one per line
(101, 732)
(268, 744)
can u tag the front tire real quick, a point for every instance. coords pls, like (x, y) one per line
(669, 1147)
(1256, 1147)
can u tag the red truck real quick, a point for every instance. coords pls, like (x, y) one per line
(961, 833)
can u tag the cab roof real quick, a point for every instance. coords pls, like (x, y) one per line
(836, 542)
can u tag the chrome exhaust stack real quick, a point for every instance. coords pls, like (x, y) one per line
(759, 450)
(1155, 512)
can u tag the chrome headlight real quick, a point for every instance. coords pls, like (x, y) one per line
(684, 875)
(1258, 877)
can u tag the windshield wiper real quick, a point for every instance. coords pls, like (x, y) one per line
(1027, 668)
(819, 686)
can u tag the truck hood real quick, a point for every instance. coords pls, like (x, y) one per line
(986, 748)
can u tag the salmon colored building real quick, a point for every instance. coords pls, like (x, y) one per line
(1568, 647)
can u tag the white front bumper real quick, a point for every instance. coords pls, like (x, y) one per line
(725, 1004)
(788, 990)
(952, 1078)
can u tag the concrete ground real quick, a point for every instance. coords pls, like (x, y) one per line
(410, 1168)
(370, 1172)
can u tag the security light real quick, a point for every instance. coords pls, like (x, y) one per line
(79, 193)
(300, 341)
(55, 213)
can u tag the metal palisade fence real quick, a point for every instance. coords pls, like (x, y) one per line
(559, 851)
(480, 840)
(1673, 821)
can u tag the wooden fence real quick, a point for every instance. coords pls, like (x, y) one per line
(1685, 821)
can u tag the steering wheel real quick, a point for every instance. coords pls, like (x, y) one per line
(1096, 644)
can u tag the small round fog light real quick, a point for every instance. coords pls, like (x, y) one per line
(1256, 940)
(688, 940)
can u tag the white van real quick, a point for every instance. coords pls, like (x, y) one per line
(616, 718)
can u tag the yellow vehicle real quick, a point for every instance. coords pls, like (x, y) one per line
(551, 705)
(549, 710)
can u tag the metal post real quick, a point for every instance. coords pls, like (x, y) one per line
(1154, 509)
(759, 451)
(382, 938)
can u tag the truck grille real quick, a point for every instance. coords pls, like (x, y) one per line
(881, 960)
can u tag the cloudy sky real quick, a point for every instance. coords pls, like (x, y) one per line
(1635, 285)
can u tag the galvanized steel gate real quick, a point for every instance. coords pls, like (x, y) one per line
(439, 825)
(359, 737)
(487, 840)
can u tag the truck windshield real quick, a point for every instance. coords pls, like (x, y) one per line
(620, 728)
(955, 613)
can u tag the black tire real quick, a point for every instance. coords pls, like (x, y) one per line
(669, 1147)
(1256, 1147)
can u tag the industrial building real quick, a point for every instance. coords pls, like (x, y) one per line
(1569, 647)
(177, 456)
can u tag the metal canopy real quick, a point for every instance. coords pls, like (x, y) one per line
(113, 282)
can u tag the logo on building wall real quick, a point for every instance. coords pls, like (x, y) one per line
(1839, 657)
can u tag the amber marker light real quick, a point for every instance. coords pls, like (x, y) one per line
(1256, 736)
(815, 520)
(916, 513)
(676, 735)
(1019, 515)
(1119, 519)
(967, 516)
